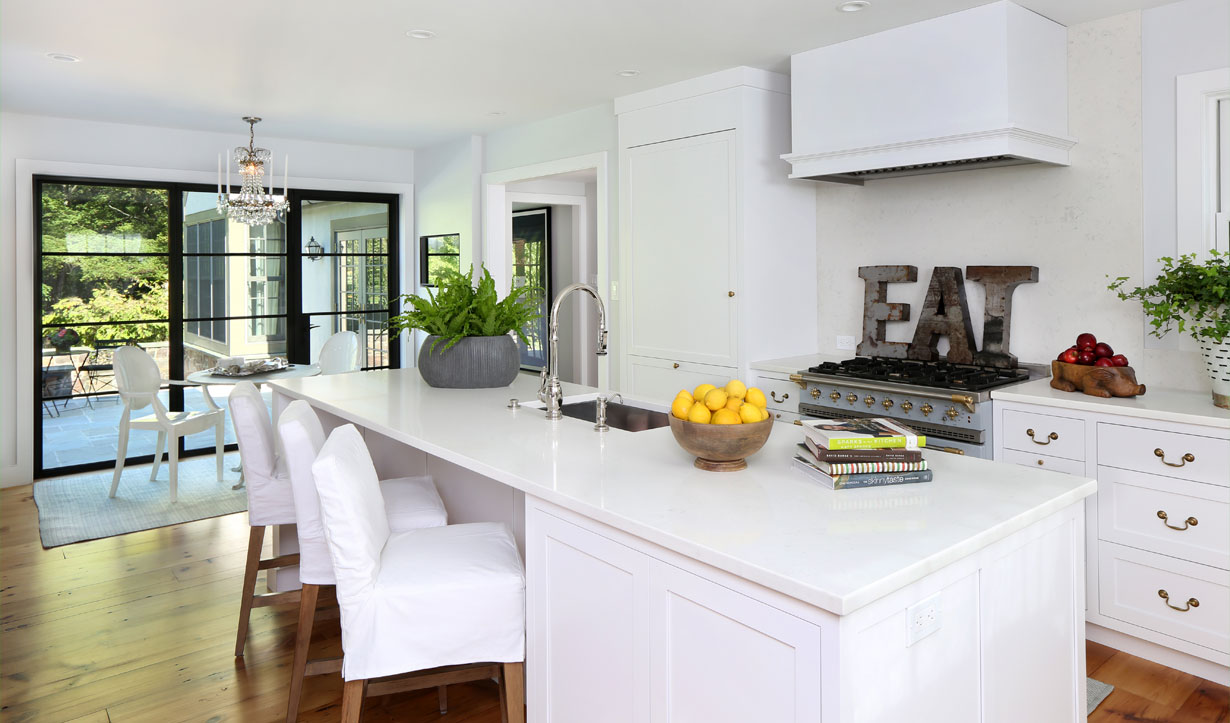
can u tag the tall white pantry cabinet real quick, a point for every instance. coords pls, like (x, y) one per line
(717, 246)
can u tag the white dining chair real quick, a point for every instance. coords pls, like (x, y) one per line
(340, 353)
(138, 380)
(410, 503)
(438, 602)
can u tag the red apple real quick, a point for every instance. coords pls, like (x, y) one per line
(1086, 341)
(1086, 357)
(1065, 351)
(1071, 356)
(1119, 360)
(1102, 349)
(1103, 362)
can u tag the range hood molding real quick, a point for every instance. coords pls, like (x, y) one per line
(980, 88)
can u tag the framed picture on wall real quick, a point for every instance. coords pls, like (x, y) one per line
(438, 254)
(531, 266)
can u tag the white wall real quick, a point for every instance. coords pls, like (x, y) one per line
(179, 155)
(1176, 39)
(1078, 225)
(446, 195)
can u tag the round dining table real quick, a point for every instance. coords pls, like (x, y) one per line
(207, 377)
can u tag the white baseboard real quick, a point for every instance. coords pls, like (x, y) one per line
(11, 476)
(1158, 653)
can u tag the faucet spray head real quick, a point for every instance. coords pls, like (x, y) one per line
(601, 342)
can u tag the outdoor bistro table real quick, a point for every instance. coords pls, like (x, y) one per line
(49, 354)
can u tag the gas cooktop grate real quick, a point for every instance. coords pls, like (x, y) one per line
(940, 374)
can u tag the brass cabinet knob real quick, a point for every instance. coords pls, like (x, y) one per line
(852, 397)
(952, 413)
(1039, 463)
(773, 396)
(676, 365)
(731, 294)
(887, 404)
(1189, 522)
(926, 409)
(834, 395)
(907, 405)
(869, 400)
(1189, 457)
(1191, 602)
(815, 394)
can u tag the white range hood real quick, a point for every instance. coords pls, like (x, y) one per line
(983, 87)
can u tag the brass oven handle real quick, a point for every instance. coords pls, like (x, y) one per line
(773, 396)
(798, 379)
(1049, 438)
(949, 450)
(1189, 457)
(1191, 602)
(1189, 522)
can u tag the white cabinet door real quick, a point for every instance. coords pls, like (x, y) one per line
(681, 220)
(661, 379)
(588, 639)
(718, 656)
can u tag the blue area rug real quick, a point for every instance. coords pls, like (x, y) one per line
(76, 507)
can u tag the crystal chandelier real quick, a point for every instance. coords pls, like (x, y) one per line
(252, 205)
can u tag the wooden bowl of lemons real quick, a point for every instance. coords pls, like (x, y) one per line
(722, 426)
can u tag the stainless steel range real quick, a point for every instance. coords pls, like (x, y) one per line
(950, 403)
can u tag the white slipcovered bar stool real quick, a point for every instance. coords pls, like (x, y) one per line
(410, 503)
(340, 354)
(444, 603)
(138, 380)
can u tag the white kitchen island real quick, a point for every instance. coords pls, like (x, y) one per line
(660, 592)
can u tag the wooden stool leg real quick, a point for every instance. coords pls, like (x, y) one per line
(512, 692)
(256, 540)
(303, 638)
(352, 700)
(442, 692)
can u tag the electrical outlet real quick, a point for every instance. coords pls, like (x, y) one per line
(846, 343)
(614, 291)
(922, 619)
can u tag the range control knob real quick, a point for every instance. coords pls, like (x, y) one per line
(907, 405)
(926, 409)
(952, 413)
(869, 400)
(815, 394)
(852, 397)
(887, 404)
(834, 395)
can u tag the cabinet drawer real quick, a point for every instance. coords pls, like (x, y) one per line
(659, 380)
(1132, 583)
(1131, 506)
(787, 417)
(1172, 454)
(1044, 461)
(1044, 434)
(780, 393)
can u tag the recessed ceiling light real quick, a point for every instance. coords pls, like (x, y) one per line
(628, 73)
(64, 57)
(420, 34)
(853, 6)
(495, 112)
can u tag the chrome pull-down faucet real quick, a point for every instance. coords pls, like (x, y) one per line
(550, 392)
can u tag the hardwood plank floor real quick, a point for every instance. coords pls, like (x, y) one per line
(141, 627)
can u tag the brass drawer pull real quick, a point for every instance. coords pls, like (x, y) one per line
(1191, 602)
(1189, 522)
(773, 396)
(1049, 438)
(1189, 457)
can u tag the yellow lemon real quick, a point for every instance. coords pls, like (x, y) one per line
(681, 407)
(715, 399)
(750, 413)
(764, 414)
(755, 396)
(699, 413)
(725, 416)
(733, 404)
(736, 389)
(700, 392)
(685, 395)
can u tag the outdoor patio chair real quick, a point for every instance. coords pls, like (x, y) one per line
(99, 368)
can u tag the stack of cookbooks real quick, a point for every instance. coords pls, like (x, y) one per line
(871, 452)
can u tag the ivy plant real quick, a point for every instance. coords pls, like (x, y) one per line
(458, 308)
(1189, 295)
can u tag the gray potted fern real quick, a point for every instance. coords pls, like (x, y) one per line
(470, 330)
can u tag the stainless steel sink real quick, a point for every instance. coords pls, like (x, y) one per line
(620, 416)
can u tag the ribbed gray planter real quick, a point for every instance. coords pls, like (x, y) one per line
(474, 362)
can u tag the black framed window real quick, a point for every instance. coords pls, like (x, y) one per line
(438, 254)
(531, 242)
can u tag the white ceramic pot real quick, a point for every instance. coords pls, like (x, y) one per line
(1217, 363)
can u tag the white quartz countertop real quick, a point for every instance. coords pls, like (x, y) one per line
(1168, 405)
(837, 550)
(796, 364)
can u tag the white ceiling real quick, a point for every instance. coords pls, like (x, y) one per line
(345, 71)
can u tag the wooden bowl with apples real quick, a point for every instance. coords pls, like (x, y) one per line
(1094, 368)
